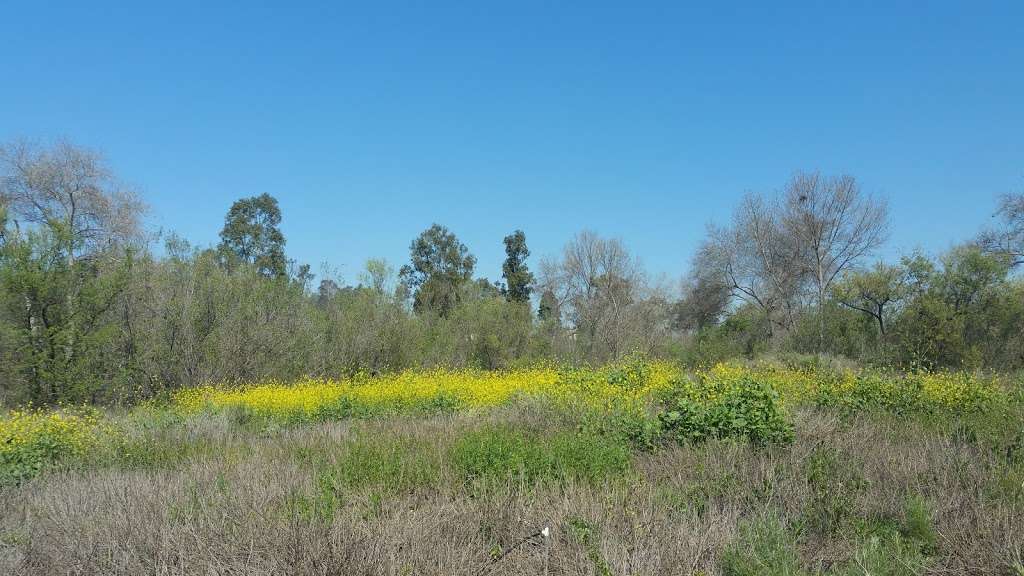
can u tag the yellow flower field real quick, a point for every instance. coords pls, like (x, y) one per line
(952, 391)
(437, 388)
(628, 387)
(30, 439)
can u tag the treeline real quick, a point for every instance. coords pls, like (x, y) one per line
(89, 312)
(791, 272)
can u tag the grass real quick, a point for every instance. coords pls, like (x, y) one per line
(503, 454)
(453, 484)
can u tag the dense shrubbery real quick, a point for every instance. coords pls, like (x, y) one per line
(748, 409)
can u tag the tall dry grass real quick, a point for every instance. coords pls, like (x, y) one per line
(254, 502)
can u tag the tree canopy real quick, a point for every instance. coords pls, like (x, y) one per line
(439, 266)
(252, 235)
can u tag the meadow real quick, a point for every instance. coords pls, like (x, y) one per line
(637, 468)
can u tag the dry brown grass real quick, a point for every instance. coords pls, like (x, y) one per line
(232, 509)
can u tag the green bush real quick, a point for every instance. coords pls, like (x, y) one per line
(31, 441)
(898, 547)
(584, 533)
(751, 409)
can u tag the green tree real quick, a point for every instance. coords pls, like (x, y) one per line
(958, 311)
(64, 259)
(378, 275)
(548, 309)
(3, 221)
(440, 265)
(251, 235)
(705, 301)
(518, 278)
(875, 292)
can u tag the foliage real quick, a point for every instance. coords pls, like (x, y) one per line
(501, 454)
(518, 278)
(252, 235)
(32, 440)
(585, 534)
(764, 546)
(548, 309)
(440, 266)
(391, 464)
(873, 292)
(614, 387)
(747, 408)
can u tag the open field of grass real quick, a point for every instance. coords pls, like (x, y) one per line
(639, 468)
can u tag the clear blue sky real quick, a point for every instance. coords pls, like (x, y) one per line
(643, 121)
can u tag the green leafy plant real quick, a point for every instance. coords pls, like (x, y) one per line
(748, 409)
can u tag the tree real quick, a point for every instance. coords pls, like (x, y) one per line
(251, 235)
(3, 221)
(962, 313)
(548, 309)
(302, 275)
(755, 260)
(602, 290)
(874, 292)
(64, 263)
(834, 225)
(378, 274)
(327, 290)
(518, 278)
(704, 302)
(440, 266)
(71, 192)
(1008, 240)
(968, 276)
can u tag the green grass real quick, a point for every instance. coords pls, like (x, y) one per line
(503, 454)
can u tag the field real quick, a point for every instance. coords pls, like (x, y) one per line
(637, 468)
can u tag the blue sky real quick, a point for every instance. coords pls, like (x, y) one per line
(370, 121)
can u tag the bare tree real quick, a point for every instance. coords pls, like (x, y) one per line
(755, 259)
(1008, 240)
(834, 226)
(71, 191)
(600, 286)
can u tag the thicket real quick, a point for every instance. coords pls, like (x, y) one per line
(92, 311)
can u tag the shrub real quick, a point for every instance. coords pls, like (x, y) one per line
(835, 481)
(749, 408)
(584, 533)
(33, 440)
(923, 393)
(896, 548)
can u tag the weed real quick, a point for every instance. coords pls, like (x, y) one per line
(504, 454)
(584, 533)
(764, 547)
